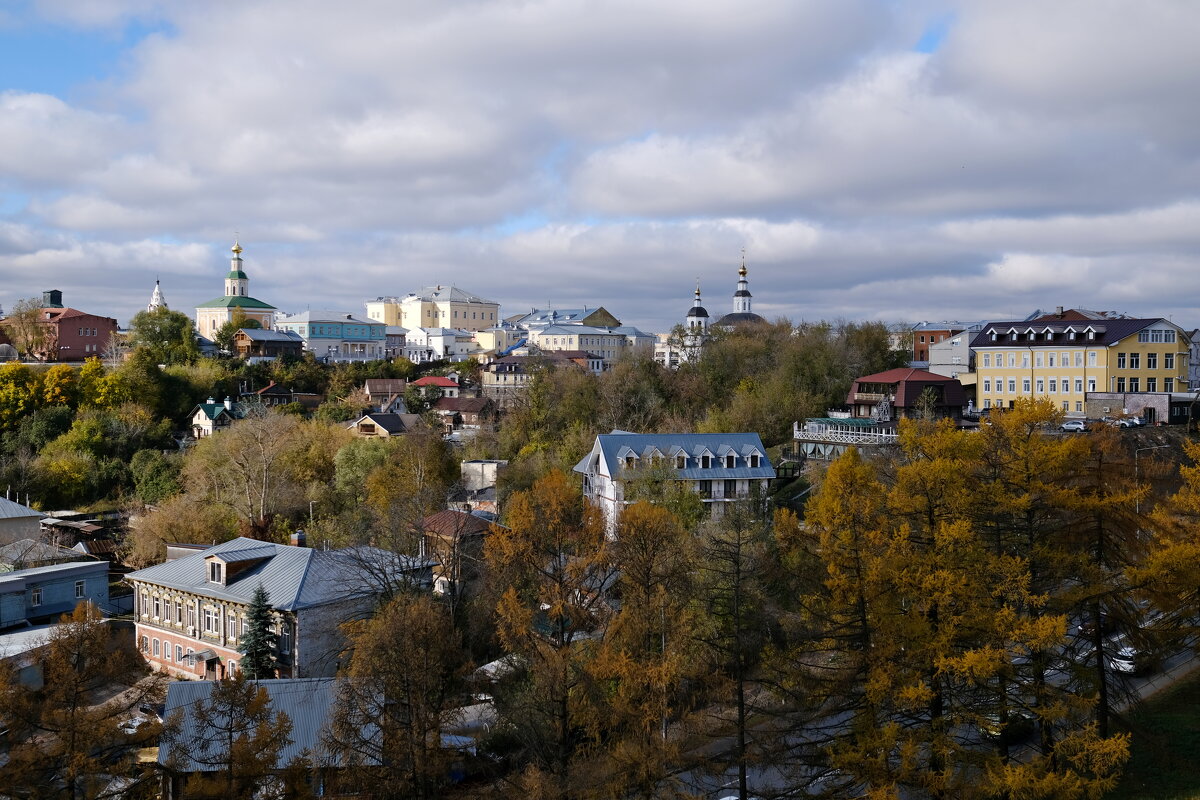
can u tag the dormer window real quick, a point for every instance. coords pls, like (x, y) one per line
(629, 462)
(754, 460)
(680, 462)
(706, 462)
(729, 461)
(216, 572)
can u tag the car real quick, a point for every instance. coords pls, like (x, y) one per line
(1074, 425)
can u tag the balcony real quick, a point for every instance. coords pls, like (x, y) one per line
(855, 432)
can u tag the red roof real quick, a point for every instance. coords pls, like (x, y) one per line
(903, 374)
(435, 380)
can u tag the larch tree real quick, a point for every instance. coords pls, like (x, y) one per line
(406, 665)
(232, 743)
(552, 570)
(65, 734)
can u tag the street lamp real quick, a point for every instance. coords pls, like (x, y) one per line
(1137, 502)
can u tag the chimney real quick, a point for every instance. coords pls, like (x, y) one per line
(52, 298)
(229, 404)
(298, 538)
(1058, 312)
(211, 401)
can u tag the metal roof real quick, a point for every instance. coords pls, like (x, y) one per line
(294, 577)
(308, 703)
(11, 510)
(604, 457)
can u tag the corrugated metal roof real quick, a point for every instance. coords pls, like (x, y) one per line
(307, 702)
(11, 510)
(294, 577)
(607, 447)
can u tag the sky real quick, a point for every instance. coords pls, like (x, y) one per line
(892, 160)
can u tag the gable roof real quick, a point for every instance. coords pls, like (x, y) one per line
(384, 386)
(904, 374)
(436, 380)
(466, 405)
(604, 457)
(294, 577)
(11, 510)
(30, 551)
(392, 423)
(263, 335)
(454, 524)
(308, 703)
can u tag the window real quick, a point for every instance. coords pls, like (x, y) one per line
(214, 572)
(156, 647)
(178, 653)
(145, 645)
(232, 630)
(1037, 361)
(1120, 361)
(211, 620)
(1012, 385)
(78, 589)
(167, 650)
(1025, 385)
(680, 462)
(1012, 359)
(1168, 361)
(1133, 385)
(1079, 386)
(705, 462)
(987, 359)
(1135, 360)
(987, 386)
(705, 488)
(729, 460)
(987, 403)
(730, 488)
(1078, 358)
(35, 597)
(1151, 360)
(754, 460)
(191, 615)
(1040, 386)
(1065, 404)
(1079, 405)
(179, 612)
(157, 607)
(1168, 384)
(1151, 384)
(245, 626)
(233, 667)
(1092, 358)
(1091, 384)
(922, 339)
(1120, 384)
(145, 606)
(1053, 386)
(1024, 359)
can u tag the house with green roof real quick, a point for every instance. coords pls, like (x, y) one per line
(212, 315)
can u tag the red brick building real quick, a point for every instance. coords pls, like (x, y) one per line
(71, 335)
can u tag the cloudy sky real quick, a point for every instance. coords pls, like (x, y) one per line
(893, 160)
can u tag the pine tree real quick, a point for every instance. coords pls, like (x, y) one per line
(258, 646)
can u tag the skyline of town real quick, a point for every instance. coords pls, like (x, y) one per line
(877, 161)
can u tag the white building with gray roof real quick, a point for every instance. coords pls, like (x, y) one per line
(721, 468)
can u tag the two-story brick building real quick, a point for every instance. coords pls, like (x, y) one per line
(190, 613)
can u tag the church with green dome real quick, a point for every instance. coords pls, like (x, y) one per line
(212, 315)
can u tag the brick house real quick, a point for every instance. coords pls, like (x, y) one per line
(71, 334)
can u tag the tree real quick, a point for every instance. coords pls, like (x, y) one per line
(25, 329)
(155, 475)
(552, 568)
(258, 645)
(647, 655)
(166, 335)
(405, 667)
(62, 736)
(231, 745)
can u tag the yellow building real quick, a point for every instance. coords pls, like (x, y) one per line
(1063, 356)
(211, 316)
(435, 307)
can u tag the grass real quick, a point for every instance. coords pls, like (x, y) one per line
(1164, 761)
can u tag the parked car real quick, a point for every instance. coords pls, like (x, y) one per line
(1074, 425)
